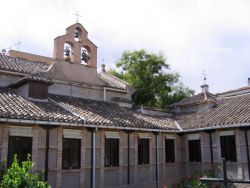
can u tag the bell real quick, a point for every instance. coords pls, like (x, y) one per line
(85, 56)
(67, 51)
(77, 34)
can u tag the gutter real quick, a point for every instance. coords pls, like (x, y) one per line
(216, 127)
(118, 127)
(32, 122)
(14, 73)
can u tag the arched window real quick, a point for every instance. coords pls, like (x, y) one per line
(85, 56)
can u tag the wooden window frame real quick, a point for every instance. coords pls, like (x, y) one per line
(194, 149)
(38, 90)
(228, 148)
(169, 150)
(71, 153)
(143, 151)
(111, 157)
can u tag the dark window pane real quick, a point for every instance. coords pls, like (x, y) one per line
(21, 146)
(38, 90)
(228, 148)
(75, 153)
(111, 152)
(71, 153)
(169, 150)
(143, 151)
(194, 148)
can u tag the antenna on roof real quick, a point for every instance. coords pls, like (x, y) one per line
(77, 16)
(204, 77)
(3, 52)
(18, 45)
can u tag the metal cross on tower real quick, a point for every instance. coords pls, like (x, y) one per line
(204, 77)
(77, 16)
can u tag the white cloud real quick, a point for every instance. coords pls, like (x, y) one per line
(195, 35)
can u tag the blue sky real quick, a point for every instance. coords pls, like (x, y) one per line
(194, 35)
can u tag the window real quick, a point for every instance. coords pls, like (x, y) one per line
(194, 147)
(71, 154)
(21, 146)
(143, 151)
(38, 90)
(228, 148)
(169, 151)
(111, 152)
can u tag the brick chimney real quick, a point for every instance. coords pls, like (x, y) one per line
(204, 88)
(103, 68)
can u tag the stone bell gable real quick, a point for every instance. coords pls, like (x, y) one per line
(75, 58)
(75, 47)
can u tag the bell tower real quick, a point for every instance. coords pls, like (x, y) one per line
(75, 47)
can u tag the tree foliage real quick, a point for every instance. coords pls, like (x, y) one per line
(20, 176)
(149, 74)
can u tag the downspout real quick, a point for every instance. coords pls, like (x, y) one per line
(248, 160)
(209, 132)
(157, 173)
(47, 155)
(104, 94)
(128, 172)
(47, 128)
(93, 157)
(211, 147)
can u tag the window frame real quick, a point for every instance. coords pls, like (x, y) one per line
(111, 153)
(169, 146)
(143, 151)
(194, 150)
(21, 145)
(72, 154)
(228, 148)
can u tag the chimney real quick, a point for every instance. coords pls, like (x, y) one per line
(3, 52)
(103, 68)
(204, 88)
(248, 81)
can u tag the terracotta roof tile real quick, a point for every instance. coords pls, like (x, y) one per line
(196, 99)
(21, 65)
(227, 111)
(110, 114)
(247, 88)
(112, 81)
(14, 106)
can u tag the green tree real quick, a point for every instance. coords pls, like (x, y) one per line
(19, 176)
(178, 92)
(149, 74)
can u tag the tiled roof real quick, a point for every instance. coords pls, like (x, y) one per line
(227, 111)
(112, 81)
(196, 99)
(21, 65)
(34, 77)
(247, 88)
(110, 114)
(14, 106)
